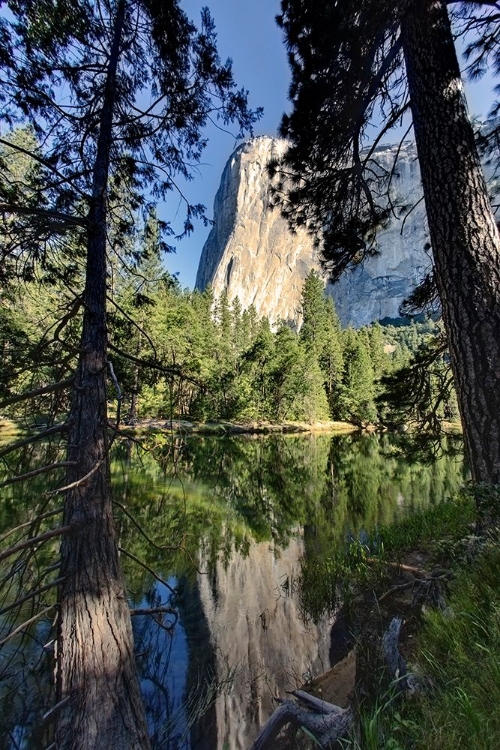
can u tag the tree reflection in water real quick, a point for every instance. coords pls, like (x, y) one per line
(231, 519)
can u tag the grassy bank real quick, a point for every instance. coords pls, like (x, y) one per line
(236, 428)
(456, 650)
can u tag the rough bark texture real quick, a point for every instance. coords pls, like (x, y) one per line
(96, 673)
(464, 236)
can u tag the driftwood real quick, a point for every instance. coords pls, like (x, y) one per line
(325, 721)
(397, 667)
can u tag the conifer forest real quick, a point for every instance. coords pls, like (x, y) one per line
(220, 530)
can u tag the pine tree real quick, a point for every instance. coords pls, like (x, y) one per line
(76, 72)
(348, 63)
(358, 397)
(321, 336)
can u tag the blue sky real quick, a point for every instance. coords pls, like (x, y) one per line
(247, 33)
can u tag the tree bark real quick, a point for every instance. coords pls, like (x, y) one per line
(97, 685)
(464, 237)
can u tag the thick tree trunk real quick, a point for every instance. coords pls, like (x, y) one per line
(464, 236)
(96, 673)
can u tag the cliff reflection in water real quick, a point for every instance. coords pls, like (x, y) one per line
(246, 512)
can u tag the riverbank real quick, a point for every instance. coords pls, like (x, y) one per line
(438, 572)
(236, 428)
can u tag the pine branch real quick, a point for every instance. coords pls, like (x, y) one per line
(58, 428)
(14, 208)
(36, 392)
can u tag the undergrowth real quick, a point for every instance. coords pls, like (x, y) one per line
(458, 649)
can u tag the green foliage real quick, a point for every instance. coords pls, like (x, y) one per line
(327, 580)
(357, 401)
(422, 392)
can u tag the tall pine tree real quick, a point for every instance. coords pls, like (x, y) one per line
(77, 72)
(350, 62)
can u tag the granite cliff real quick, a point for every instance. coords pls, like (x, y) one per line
(252, 254)
(250, 251)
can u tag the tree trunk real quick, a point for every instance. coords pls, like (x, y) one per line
(96, 672)
(464, 236)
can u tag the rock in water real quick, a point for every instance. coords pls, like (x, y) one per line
(252, 254)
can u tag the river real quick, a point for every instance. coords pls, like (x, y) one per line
(233, 520)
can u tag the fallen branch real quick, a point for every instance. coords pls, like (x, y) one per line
(395, 589)
(327, 727)
(316, 704)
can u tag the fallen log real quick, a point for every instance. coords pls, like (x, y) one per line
(326, 722)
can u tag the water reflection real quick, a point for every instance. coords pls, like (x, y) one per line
(248, 511)
(231, 519)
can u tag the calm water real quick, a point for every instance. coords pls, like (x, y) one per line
(238, 516)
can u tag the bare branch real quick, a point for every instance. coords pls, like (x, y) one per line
(31, 595)
(37, 519)
(173, 548)
(78, 482)
(25, 624)
(146, 567)
(173, 371)
(155, 611)
(34, 540)
(58, 428)
(36, 392)
(134, 323)
(35, 472)
(50, 713)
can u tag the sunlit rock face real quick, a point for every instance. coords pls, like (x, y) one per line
(252, 254)
(260, 641)
(250, 251)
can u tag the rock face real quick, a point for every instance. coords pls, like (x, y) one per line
(252, 254)
(250, 250)
(376, 289)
